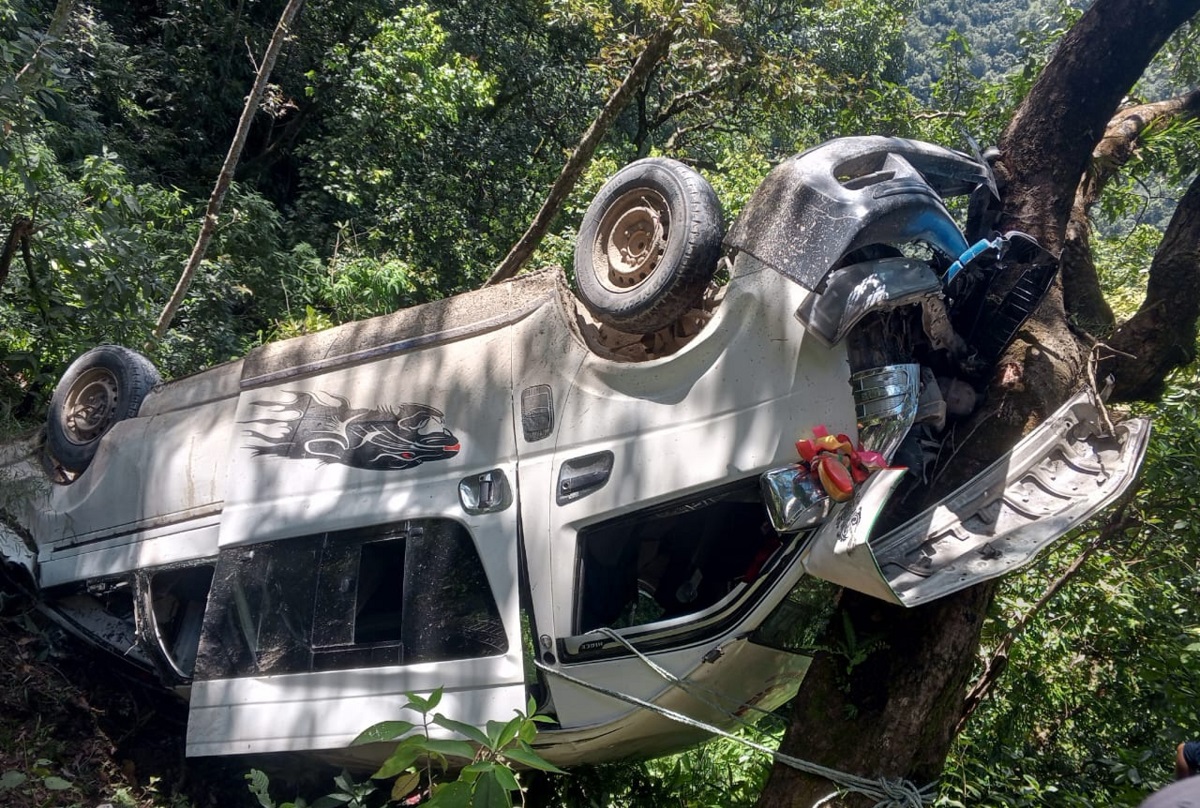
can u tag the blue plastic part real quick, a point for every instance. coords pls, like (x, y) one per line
(972, 252)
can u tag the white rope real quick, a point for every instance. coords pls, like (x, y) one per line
(887, 793)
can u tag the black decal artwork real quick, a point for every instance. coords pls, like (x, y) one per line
(384, 439)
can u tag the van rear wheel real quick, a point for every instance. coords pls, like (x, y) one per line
(102, 387)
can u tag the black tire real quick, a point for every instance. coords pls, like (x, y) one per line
(103, 386)
(648, 245)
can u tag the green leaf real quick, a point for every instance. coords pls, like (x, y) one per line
(504, 733)
(56, 783)
(405, 784)
(422, 704)
(383, 731)
(466, 730)
(506, 778)
(259, 785)
(11, 779)
(460, 749)
(523, 754)
(490, 794)
(451, 795)
(400, 760)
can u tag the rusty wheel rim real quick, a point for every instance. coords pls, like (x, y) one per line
(90, 406)
(631, 240)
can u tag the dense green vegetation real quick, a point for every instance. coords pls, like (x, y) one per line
(402, 148)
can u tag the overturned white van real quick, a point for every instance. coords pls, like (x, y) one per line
(507, 494)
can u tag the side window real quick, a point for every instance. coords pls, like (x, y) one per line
(177, 597)
(392, 595)
(672, 560)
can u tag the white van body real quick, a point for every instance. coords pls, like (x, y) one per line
(476, 495)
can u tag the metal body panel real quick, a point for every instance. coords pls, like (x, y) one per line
(814, 209)
(1059, 475)
(726, 407)
(273, 496)
(712, 692)
(707, 661)
(162, 475)
(242, 716)
(345, 449)
(194, 537)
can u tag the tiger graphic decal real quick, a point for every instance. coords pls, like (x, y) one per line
(310, 427)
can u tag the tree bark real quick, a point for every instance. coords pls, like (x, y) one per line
(895, 714)
(657, 47)
(217, 199)
(22, 226)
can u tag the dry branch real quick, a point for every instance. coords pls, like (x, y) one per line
(657, 47)
(1117, 522)
(1081, 283)
(217, 199)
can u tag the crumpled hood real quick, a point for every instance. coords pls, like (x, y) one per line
(816, 207)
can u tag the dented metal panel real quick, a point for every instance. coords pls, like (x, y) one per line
(816, 208)
(1058, 476)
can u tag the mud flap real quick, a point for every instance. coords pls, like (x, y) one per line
(1058, 476)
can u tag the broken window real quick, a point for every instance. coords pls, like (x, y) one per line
(797, 622)
(672, 560)
(392, 595)
(177, 598)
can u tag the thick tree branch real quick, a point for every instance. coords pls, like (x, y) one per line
(1161, 336)
(1047, 146)
(655, 51)
(896, 717)
(1081, 284)
(1123, 133)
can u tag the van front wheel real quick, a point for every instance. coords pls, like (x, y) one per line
(100, 388)
(648, 245)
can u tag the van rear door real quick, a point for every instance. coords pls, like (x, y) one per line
(368, 549)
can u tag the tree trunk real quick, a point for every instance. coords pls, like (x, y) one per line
(655, 51)
(1046, 147)
(217, 199)
(895, 714)
(22, 226)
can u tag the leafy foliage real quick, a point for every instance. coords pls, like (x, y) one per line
(721, 773)
(485, 763)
